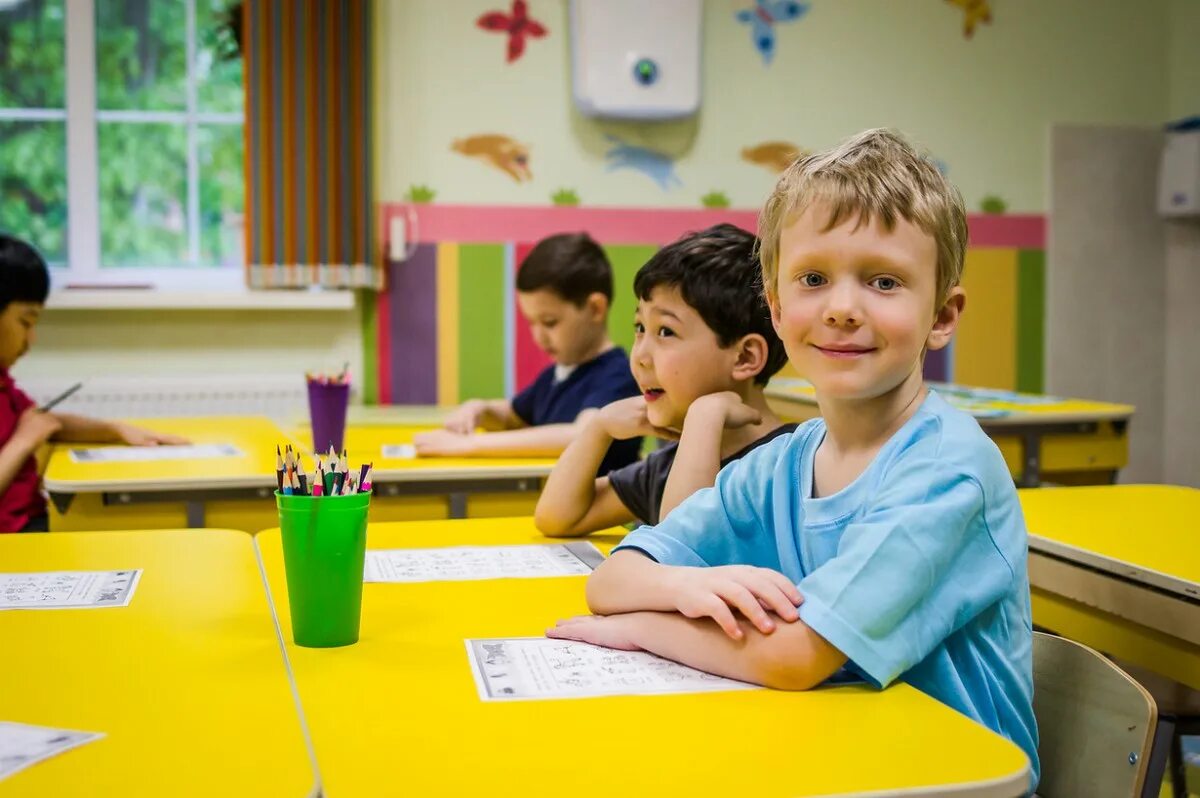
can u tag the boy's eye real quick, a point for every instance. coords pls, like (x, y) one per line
(886, 283)
(812, 279)
(664, 332)
(639, 328)
(549, 323)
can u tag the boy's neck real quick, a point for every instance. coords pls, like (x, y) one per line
(734, 440)
(862, 426)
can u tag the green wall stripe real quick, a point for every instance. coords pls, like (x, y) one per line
(481, 321)
(370, 338)
(1031, 320)
(626, 260)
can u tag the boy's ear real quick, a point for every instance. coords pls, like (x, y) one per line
(751, 357)
(946, 320)
(597, 306)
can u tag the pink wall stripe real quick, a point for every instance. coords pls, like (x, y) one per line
(530, 360)
(485, 224)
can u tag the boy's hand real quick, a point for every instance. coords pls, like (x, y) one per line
(35, 427)
(610, 631)
(136, 436)
(442, 443)
(465, 417)
(725, 408)
(626, 418)
(716, 592)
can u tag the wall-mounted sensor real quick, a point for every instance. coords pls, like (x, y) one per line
(633, 59)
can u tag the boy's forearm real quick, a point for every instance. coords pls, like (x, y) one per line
(571, 488)
(81, 429)
(629, 581)
(498, 415)
(697, 461)
(793, 657)
(548, 440)
(13, 455)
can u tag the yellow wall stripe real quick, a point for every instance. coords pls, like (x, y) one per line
(985, 348)
(447, 324)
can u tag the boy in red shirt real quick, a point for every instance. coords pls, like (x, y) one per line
(24, 285)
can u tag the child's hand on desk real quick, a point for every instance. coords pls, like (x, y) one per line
(136, 436)
(626, 418)
(716, 592)
(465, 417)
(441, 443)
(35, 428)
(609, 631)
(724, 409)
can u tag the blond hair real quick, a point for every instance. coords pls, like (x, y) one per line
(873, 175)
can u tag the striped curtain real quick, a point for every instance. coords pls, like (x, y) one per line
(308, 144)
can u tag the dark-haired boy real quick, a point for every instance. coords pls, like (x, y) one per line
(564, 290)
(24, 286)
(704, 349)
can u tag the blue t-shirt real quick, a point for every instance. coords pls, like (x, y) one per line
(595, 383)
(915, 571)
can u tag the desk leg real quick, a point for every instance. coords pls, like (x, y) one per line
(1031, 450)
(1160, 749)
(458, 505)
(195, 514)
(62, 501)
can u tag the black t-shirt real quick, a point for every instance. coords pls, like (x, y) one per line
(640, 486)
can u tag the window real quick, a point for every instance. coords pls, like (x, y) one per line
(121, 138)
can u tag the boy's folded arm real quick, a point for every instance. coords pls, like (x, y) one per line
(697, 460)
(498, 414)
(574, 502)
(629, 581)
(13, 454)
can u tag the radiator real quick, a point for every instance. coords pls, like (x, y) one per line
(278, 396)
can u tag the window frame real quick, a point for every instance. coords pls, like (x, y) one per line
(82, 119)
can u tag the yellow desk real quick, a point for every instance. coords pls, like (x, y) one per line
(1069, 441)
(187, 682)
(430, 488)
(398, 713)
(1118, 568)
(170, 493)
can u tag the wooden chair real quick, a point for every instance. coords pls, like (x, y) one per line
(1096, 724)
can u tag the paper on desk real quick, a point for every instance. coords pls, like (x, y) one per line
(44, 590)
(399, 451)
(137, 454)
(526, 668)
(22, 745)
(463, 563)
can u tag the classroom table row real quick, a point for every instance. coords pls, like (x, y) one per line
(1066, 441)
(189, 687)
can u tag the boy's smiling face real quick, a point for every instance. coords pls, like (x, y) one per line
(17, 324)
(676, 357)
(856, 306)
(568, 333)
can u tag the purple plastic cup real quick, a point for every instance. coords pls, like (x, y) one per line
(327, 414)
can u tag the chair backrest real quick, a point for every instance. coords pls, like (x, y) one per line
(1095, 723)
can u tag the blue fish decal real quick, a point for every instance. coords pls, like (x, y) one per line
(655, 165)
(763, 18)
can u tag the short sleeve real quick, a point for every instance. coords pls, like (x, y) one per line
(916, 567)
(20, 400)
(640, 485)
(721, 525)
(524, 404)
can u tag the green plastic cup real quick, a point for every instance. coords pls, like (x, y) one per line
(324, 543)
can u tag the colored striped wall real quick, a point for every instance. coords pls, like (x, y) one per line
(448, 327)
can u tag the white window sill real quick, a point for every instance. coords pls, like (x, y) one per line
(157, 299)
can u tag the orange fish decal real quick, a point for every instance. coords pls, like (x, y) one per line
(974, 12)
(775, 155)
(500, 151)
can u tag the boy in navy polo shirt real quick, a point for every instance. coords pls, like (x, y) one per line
(564, 290)
(24, 285)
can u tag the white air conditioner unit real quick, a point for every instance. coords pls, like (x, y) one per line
(1179, 175)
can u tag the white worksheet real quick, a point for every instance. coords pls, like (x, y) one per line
(399, 451)
(22, 745)
(139, 454)
(524, 668)
(464, 563)
(50, 590)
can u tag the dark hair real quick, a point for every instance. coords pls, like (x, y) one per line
(571, 265)
(716, 271)
(23, 273)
